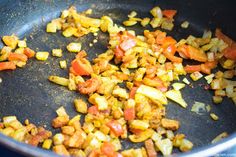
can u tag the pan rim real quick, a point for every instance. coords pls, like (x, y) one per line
(204, 151)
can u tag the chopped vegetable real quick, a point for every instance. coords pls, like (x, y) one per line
(219, 137)
(59, 80)
(214, 116)
(152, 93)
(196, 76)
(178, 86)
(147, 64)
(10, 41)
(57, 52)
(150, 148)
(176, 96)
(63, 64)
(74, 47)
(170, 124)
(80, 106)
(42, 56)
(185, 24)
(7, 66)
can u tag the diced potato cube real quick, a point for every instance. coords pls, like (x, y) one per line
(106, 22)
(10, 41)
(116, 143)
(209, 78)
(19, 134)
(185, 24)
(63, 64)
(42, 56)
(229, 74)
(15, 124)
(101, 102)
(57, 52)
(58, 139)
(186, 145)
(51, 27)
(64, 13)
(7, 131)
(220, 92)
(68, 130)
(74, 47)
(120, 92)
(228, 64)
(8, 119)
(60, 121)
(217, 99)
(196, 76)
(100, 136)
(156, 12)
(176, 96)
(22, 43)
(178, 139)
(139, 74)
(139, 124)
(74, 119)
(155, 22)
(59, 80)
(145, 21)
(47, 144)
(61, 150)
(88, 127)
(152, 93)
(70, 31)
(5, 52)
(167, 24)
(61, 111)
(165, 146)
(80, 106)
(170, 124)
(170, 134)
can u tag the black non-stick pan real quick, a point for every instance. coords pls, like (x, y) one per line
(27, 93)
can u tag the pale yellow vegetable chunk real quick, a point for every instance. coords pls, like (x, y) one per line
(178, 86)
(59, 80)
(101, 102)
(142, 136)
(57, 52)
(176, 96)
(74, 47)
(165, 146)
(69, 32)
(139, 124)
(152, 93)
(10, 41)
(22, 43)
(42, 56)
(51, 27)
(129, 23)
(47, 144)
(80, 106)
(63, 64)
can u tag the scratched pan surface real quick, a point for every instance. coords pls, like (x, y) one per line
(27, 93)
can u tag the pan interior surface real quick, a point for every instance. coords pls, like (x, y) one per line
(27, 93)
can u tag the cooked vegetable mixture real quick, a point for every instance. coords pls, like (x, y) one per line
(146, 64)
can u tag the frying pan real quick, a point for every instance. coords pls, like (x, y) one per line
(27, 93)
